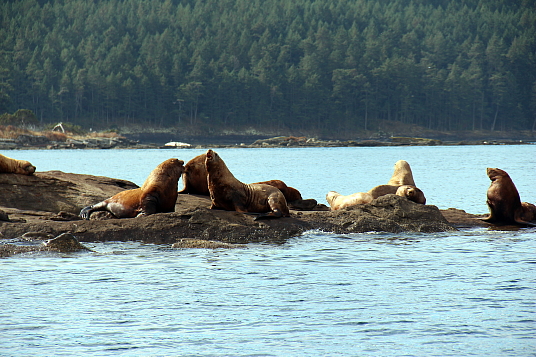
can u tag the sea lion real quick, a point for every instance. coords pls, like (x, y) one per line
(228, 193)
(290, 193)
(529, 212)
(382, 190)
(338, 201)
(14, 166)
(412, 193)
(503, 201)
(195, 182)
(157, 194)
(402, 174)
(194, 177)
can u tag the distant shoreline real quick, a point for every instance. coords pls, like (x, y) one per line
(234, 141)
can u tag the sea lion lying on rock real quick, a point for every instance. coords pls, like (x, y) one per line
(337, 201)
(157, 194)
(195, 182)
(504, 202)
(292, 195)
(412, 193)
(14, 166)
(228, 193)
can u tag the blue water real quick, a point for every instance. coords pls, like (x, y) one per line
(467, 293)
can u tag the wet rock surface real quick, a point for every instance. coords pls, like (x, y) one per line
(35, 242)
(47, 205)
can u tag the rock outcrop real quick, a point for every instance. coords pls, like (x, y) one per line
(55, 191)
(28, 243)
(48, 203)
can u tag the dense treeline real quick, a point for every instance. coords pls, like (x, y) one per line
(338, 65)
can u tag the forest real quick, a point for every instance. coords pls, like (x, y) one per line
(329, 66)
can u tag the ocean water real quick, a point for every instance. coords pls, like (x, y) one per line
(465, 293)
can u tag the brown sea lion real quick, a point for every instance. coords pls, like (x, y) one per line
(529, 212)
(412, 193)
(157, 194)
(195, 182)
(194, 177)
(338, 201)
(290, 193)
(503, 201)
(228, 193)
(14, 166)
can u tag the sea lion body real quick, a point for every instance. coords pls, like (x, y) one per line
(412, 193)
(504, 202)
(382, 190)
(402, 174)
(157, 194)
(529, 212)
(228, 193)
(337, 201)
(290, 193)
(194, 177)
(14, 166)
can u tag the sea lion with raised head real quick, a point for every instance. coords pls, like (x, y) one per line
(412, 193)
(158, 194)
(195, 182)
(504, 202)
(14, 166)
(337, 201)
(228, 193)
(402, 174)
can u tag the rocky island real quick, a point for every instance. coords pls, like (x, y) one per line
(46, 205)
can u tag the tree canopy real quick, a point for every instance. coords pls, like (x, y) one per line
(327, 65)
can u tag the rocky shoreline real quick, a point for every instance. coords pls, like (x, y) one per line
(120, 142)
(37, 208)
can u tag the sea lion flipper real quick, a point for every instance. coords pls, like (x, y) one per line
(85, 213)
(268, 215)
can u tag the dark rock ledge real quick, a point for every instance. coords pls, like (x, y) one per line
(47, 205)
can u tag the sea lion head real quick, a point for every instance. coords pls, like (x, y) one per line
(412, 193)
(494, 173)
(171, 167)
(331, 196)
(212, 157)
(401, 165)
(26, 167)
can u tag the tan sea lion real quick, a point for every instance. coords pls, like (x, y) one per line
(503, 201)
(338, 201)
(402, 174)
(382, 190)
(14, 166)
(228, 193)
(412, 193)
(194, 177)
(157, 194)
